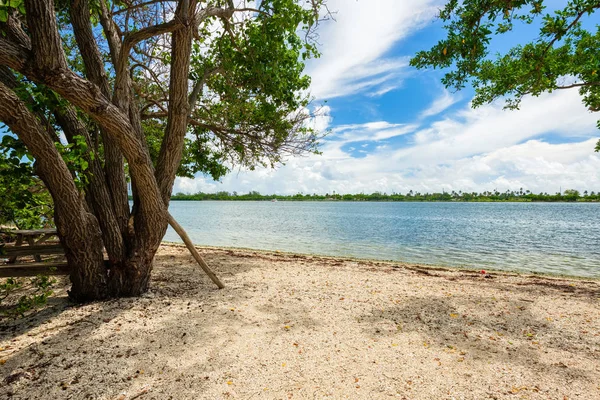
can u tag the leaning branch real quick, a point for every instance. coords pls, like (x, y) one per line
(188, 243)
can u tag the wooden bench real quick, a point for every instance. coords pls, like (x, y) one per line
(36, 247)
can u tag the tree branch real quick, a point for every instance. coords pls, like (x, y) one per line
(94, 68)
(15, 114)
(100, 199)
(136, 6)
(579, 85)
(47, 47)
(171, 149)
(52, 71)
(111, 31)
(13, 55)
(15, 31)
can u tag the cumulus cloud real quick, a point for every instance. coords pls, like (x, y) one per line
(473, 131)
(470, 150)
(546, 144)
(321, 118)
(370, 131)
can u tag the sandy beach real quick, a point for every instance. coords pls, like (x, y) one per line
(307, 327)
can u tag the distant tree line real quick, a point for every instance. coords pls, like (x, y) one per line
(520, 195)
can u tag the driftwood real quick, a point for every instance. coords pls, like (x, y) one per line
(188, 243)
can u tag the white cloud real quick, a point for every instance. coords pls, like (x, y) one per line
(488, 128)
(354, 46)
(383, 90)
(199, 184)
(445, 100)
(321, 118)
(371, 131)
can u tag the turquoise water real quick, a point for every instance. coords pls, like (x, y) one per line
(560, 238)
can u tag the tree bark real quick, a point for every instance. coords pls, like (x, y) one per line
(46, 64)
(178, 110)
(99, 195)
(94, 68)
(78, 230)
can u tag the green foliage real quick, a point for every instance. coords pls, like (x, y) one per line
(565, 55)
(39, 98)
(33, 295)
(45, 102)
(514, 196)
(252, 104)
(199, 155)
(254, 89)
(7, 6)
(76, 155)
(24, 200)
(199, 152)
(251, 107)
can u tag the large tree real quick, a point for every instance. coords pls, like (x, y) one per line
(565, 54)
(102, 91)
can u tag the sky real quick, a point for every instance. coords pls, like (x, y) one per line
(393, 128)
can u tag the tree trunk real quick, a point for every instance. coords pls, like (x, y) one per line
(83, 249)
(132, 278)
(78, 229)
(86, 229)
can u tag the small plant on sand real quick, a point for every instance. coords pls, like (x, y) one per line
(35, 294)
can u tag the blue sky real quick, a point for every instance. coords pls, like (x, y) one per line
(395, 129)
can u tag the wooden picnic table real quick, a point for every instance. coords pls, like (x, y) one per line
(33, 237)
(31, 243)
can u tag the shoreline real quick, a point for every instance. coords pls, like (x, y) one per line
(441, 267)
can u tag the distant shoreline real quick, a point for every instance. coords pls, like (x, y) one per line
(568, 196)
(395, 201)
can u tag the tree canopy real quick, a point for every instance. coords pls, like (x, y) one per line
(565, 55)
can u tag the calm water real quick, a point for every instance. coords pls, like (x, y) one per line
(541, 237)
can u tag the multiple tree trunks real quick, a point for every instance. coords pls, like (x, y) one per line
(86, 229)
(36, 248)
(101, 219)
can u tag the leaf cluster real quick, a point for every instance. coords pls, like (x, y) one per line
(7, 6)
(566, 53)
(252, 99)
(24, 200)
(77, 155)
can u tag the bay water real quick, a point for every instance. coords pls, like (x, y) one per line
(556, 238)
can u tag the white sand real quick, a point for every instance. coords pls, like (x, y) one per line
(289, 326)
